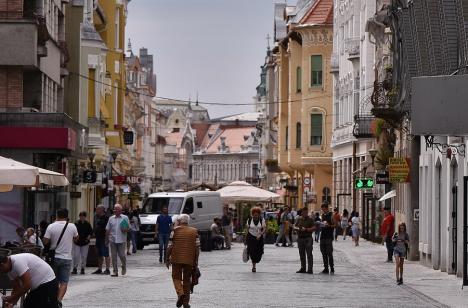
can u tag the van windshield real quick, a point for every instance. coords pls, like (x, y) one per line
(155, 205)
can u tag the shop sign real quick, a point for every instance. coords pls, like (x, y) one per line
(128, 137)
(382, 178)
(399, 170)
(89, 176)
(134, 180)
(119, 179)
(75, 194)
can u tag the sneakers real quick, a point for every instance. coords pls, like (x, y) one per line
(124, 270)
(332, 270)
(310, 271)
(400, 281)
(74, 272)
(276, 244)
(115, 274)
(301, 271)
(97, 272)
(106, 272)
(82, 271)
(325, 271)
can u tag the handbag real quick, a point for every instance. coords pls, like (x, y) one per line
(50, 256)
(245, 255)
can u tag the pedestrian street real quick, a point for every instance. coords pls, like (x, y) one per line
(362, 279)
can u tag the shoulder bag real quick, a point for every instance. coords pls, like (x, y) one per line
(50, 256)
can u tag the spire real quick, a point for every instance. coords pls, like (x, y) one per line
(129, 48)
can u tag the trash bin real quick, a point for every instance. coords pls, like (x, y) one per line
(205, 241)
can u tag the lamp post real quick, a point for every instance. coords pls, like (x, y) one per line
(373, 154)
(111, 196)
(91, 156)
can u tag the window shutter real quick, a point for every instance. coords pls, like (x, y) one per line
(316, 129)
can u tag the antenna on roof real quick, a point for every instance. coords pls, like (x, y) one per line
(268, 41)
(196, 104)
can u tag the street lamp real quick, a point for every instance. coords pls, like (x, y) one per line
(91, 156)
(373, 154)
(111, 196)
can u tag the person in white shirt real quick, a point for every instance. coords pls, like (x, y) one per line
(63, 252)
(356, 228)
(32, 238)
(116, 237)
(32, 276)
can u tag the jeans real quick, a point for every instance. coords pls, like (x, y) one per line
(182, 278)
(62, 269)
(282, 234)
(326, 248)
(317, 236)
(163, 242)
(227, 236)
(389, 244)
(80, 255)
(133, 238)
(118, 249)
(305, 249)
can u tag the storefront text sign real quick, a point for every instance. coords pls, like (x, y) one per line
(399, 169)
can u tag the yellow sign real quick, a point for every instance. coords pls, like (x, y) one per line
(399, 169)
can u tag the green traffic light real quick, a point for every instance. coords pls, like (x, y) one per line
(359, 184)
(370, 183)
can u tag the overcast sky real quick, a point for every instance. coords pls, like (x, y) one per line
(213, 46)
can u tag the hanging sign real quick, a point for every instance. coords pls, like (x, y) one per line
(399, 169)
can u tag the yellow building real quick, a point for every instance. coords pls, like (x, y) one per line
(110, 20)
(305, 103)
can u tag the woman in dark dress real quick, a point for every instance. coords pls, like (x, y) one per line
(256, 228)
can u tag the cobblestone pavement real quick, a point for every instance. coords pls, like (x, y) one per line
(227, 282)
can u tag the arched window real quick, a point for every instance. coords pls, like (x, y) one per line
(298, 135)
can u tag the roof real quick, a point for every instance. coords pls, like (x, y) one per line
(246, 116)
(302, 8)
(234, 139)
(175, 138)
(89, 33)
(201, 130)
(320, 14)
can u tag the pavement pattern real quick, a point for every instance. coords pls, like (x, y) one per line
(362, 279)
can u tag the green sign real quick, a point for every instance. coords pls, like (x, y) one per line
(365, 183)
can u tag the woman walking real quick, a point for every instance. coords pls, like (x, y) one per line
(400, 244)
(317, 220)
(356, 228)
(344, 223)
(256, 227)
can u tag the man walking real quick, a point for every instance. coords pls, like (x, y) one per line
(101, 246)
(30, 276)
(326, 240)
(81, 246)
(163, 229)
(387, 230)
(67, 233)
(182, 253)
(284, 227)
(116, 237)
(226, 221)
(304, 227)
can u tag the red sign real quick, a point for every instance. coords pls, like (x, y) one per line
(119, 179)
(38, 138)
(122, 179)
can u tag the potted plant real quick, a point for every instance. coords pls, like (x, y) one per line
(272, 231)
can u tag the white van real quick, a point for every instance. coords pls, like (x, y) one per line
(202, 206)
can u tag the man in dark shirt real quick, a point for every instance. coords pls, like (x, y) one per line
(80, 250)
(100, 233)
(326, 239)
(163, 229)
(304, 227)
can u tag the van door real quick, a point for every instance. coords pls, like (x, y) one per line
(189, 209)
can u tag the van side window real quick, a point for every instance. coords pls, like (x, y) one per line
(188, 207)
(199, 205)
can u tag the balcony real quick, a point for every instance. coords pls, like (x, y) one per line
(52, 131)
(334, 64)
(352, 48)
(363, 126)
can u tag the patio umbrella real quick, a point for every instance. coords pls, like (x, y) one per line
(243, 191)
(14, 173)
(388, 195)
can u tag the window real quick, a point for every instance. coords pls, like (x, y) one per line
(316, 71)
(117, 28)
(316, 127)
(287, 137)
(298, 135)
(298, 79)
(188, 207)
(116, 103)
(255, 171)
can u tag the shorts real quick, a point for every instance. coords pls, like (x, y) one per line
(102, 249)
(62, 269)
(399, 253)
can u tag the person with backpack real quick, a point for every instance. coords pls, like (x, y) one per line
(256, 228)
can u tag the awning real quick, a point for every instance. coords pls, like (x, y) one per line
(242, 191)
(388, 195)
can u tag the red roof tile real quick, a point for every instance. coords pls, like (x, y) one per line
(320, 14)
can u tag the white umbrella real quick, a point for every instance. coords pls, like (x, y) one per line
(243, 191)
(15, 173)
(388, 195)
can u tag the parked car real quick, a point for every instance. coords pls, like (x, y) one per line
(202, 206)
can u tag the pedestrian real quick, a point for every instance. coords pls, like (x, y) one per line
(256, 228)
(318, 226)
(337, 222)
(344, 223)
(32, 238)
(182, 254)
(31, 277)
(326, 240)
(116, 237)
(21, 232)
(356, 228)
(163, 230)
(292, 219)
(401, 241)
(226, 224)
(67, 233)
(81, 246)
(216, 237)
(134, 229)
(284, 228)
(304, 227)
(101, 246)
(386, 230)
